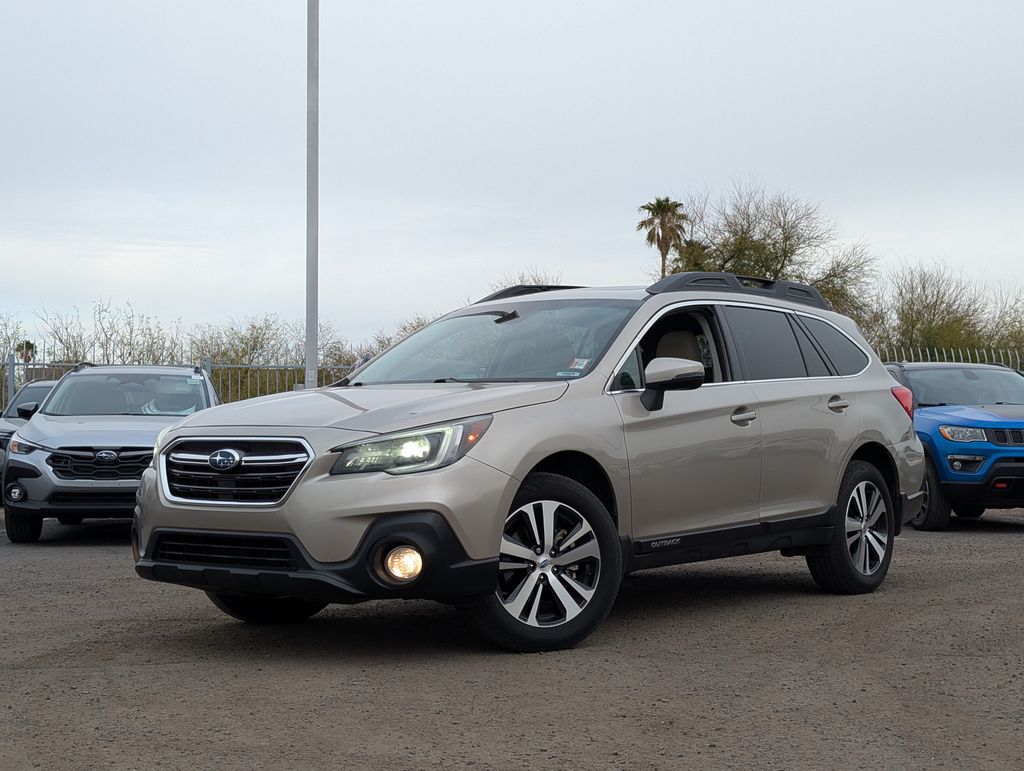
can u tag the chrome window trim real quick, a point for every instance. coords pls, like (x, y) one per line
(165, 488)
(704, 303)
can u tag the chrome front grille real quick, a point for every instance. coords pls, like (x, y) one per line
(100, 463)
(263, 475)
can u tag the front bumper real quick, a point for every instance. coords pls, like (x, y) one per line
(48, 495)
(1001, 488)
(448, 573)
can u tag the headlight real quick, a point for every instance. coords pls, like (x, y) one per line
(19, 446)
(159, 443)
(962, 433)
(409, 451)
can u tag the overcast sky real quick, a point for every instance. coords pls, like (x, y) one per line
(155, 151)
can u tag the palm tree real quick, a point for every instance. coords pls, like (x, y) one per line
(664, 227)
(26, 350)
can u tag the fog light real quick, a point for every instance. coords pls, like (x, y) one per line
(403, 563)
(966, 463)
(15, 493)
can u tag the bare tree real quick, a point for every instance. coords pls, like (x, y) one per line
(529, 275)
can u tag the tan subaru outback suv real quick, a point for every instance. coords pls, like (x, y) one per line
(517, 457)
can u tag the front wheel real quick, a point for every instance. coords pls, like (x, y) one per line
(935, 507)
(559, 568)
(857, 559)
(22, 528)
(260, 609)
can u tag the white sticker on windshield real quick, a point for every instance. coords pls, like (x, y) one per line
(568, 374)
(580, 363)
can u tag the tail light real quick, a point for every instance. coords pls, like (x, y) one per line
(906, 399)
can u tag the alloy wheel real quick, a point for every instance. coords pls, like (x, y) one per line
(867, 527)
(549, 564)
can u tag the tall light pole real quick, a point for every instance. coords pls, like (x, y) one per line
(312, 185)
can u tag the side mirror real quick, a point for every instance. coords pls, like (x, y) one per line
(666, 374)
(28, 409)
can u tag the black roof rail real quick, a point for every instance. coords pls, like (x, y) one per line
(730, 282)
(82, 365)
(520, 289)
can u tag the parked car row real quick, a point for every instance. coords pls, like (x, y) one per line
(518, 456)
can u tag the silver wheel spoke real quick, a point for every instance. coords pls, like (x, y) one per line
(866, 553)
(858, 554)
(584, 591)
(531, 618)
(510, 548)
(513, 565)
(852, 525)
(517, 601)
(571, 557)
(548, 509)
(878, 542)
(571, 607)
(581, 530)
(532, 518)
(862, 499)
(877, 509)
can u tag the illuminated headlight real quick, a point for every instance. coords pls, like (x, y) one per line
(159, 443)
(962, 433)
(19, 446)
(420, 450)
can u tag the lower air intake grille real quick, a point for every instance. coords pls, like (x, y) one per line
(233, 551)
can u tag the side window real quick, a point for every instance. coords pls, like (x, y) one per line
(766, 342)
(846, 356)
(816, 366)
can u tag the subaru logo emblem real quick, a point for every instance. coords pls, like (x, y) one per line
(225, 460)
(107, 456)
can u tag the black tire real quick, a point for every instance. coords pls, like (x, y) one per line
(601, 573)
(262, 609)
(935, 508)
(67, 520)
(22, 528)
(968, 512)
(834, 566)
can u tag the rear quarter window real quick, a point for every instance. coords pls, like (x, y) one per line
(846, 356)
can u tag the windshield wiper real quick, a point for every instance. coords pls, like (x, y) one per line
(1017, 404)
(507, 316)
(932, 404)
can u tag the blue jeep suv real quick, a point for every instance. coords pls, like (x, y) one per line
(970, 418)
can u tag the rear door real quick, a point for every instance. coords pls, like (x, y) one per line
(809, 415)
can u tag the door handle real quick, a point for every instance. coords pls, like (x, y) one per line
(838, 404)
(743, 416)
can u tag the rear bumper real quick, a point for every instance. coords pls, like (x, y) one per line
(448, 573)
(1002, 488)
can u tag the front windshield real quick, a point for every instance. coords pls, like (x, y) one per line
(30, 393)
(538, 340)
(966, 385)
(127, 394)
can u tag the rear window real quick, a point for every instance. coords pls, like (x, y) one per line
(846, 356)
(127, 394)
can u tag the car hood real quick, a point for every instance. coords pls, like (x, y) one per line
(58, 431)
(8, 425)
(377, 409)
(995, 415)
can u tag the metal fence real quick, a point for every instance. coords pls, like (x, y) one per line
(235, 382)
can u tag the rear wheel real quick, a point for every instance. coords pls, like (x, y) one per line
(22, 528)
(968, 512)
(559, 568)
(260, 609)
(935, 507)
(857, 559)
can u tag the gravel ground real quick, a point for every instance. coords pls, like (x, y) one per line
(733, 664)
